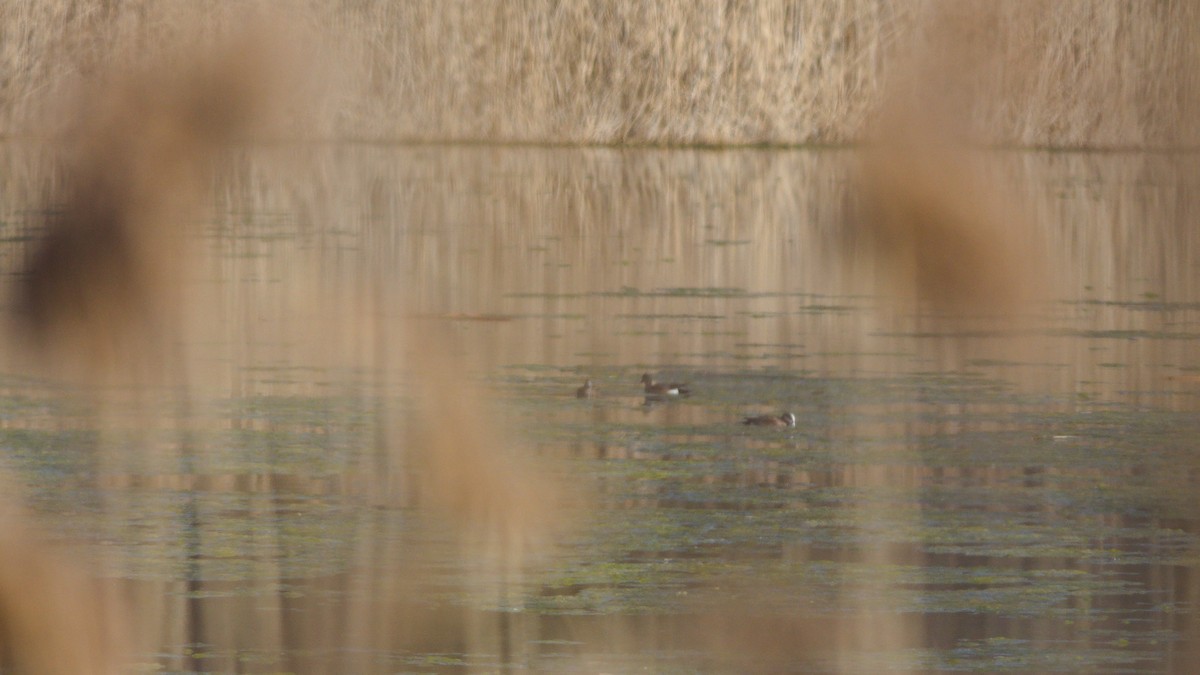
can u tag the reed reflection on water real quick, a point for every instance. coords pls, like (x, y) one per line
(954, 495)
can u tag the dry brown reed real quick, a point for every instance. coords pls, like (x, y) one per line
(101, 294)
(54, 617)
(1063, 74)
(504, 508)
(951, 237)
(108, 293)
(1044, 73)
(949, 240)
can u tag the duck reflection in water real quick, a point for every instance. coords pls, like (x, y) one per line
(787, 419)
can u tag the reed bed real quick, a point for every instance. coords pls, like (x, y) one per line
(1027, 73)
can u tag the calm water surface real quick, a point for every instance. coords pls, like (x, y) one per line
(973, 497)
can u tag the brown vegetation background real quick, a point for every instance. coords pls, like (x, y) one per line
(1024, 72)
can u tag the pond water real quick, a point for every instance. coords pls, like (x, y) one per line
(972, 497)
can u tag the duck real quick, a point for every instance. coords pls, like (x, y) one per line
(787, 419)
(657, 389)
(585, 391)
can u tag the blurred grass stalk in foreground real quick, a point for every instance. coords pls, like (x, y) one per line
(106, 300)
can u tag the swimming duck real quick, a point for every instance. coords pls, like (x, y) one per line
(585, 391)
(656, 389)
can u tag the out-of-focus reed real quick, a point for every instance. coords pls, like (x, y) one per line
(101, 292)
(951, 240)
(109, 294)
(55, 617)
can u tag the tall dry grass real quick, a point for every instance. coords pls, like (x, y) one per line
(1038, 72)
